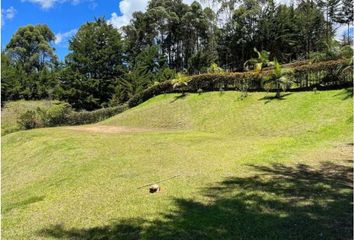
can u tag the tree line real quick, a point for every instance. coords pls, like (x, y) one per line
(106, 66)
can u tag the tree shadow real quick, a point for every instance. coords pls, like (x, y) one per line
(22, 204)
(268, 99)
(129, 229)
(346, 93)
(182, 96)
(277, 202)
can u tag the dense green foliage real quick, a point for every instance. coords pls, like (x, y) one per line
(93, 66)
(28, 64)
(107, 67)
(184, 33)
(146, 69)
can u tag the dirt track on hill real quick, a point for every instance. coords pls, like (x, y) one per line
(109, 129)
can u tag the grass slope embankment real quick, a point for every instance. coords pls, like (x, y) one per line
(257, 168)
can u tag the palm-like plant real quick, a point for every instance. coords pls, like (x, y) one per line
(214, 68)
(332, 51)
(348, 67)
(258, 63)
(180, 82)
(343, 71)
(280, 78)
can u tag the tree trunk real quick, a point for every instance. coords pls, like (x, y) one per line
(277, 95)
(327, 25)
(348, 33)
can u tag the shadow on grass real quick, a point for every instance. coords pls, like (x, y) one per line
(183, 95)
(278, 202)
(129, 229)
(22, 204)
(268, 99)
(346, 93)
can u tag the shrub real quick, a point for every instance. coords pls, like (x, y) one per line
(85, 117)
(29, 120)
(55, 115)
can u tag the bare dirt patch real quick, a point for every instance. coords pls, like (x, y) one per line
(109, 129)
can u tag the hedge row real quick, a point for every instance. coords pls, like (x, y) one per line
(319, 73)
(164, 87)
(225, 80)
(86, 117)
(320, 66)
(322, 74)
(62, 114)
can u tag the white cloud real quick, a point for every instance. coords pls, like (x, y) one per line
(93, 5)
(10, 13)
(64, 37)
(127, 8)
(47, 4)
(7, 14)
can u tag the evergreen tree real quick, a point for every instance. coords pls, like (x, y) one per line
(94, 64)
(30, 48)
(28, 64)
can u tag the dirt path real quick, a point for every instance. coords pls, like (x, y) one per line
(109, 129)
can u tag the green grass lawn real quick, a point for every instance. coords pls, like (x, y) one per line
(258, 168)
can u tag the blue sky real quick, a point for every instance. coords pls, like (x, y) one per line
(64, 17)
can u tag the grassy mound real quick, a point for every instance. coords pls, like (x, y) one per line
(258, 168)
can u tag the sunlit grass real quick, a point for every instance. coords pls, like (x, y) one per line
(61, 183)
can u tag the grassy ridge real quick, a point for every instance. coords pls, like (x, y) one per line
(247, 167)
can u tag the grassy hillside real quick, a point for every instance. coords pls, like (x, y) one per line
(13, 110)
(257, 168)
(259, 114)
